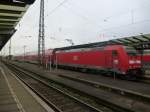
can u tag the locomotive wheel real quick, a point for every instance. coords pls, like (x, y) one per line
(108, 73)
(84, 70)
(130, 77)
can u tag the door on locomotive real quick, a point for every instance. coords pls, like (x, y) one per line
(108, 59)
(115, 60)
(112, 59)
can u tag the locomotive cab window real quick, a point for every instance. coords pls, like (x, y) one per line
(146, 52)
(131, 51)
(114, 53)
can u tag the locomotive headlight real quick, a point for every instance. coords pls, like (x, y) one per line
(116, 61)
(123, 72)
(138, 61)
(131, 61)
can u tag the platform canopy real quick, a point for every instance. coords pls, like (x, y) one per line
(140, 42)
(11, 11)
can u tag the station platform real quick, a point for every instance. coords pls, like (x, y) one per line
(116, 99)
(16, 97)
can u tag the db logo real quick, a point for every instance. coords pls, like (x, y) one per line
(75, 58)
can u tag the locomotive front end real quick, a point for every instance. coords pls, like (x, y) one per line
(134, 62)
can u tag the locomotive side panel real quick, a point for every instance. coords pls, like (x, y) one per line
(87, 59)
(146, 58)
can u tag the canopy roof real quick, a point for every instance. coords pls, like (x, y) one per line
(140, 42)
(11, 11)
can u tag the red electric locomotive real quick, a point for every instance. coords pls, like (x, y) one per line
(116, 58)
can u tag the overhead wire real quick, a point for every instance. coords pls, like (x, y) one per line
(130, 11)
(103, 20)
(57, 7)
(85, 17)
(78, 14)
(71, 10)
(122, 26)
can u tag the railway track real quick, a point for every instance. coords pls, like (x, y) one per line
(107, 106)
(59, 100)
(121, 91)
(117, 90)
(143, 80)
(139, 79)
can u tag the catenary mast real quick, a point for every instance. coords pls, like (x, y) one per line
(41, 37)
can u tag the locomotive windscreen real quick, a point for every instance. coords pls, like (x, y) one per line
(146, 52)
(131, 51)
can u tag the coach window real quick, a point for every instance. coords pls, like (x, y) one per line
(114, 53)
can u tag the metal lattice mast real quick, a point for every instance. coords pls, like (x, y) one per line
(41, 38)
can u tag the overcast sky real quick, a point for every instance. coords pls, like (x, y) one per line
(83, 21)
